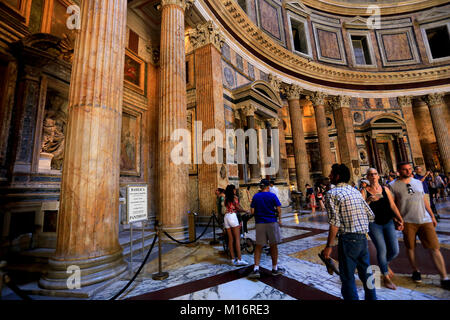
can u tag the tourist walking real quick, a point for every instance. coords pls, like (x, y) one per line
(382, 230)
(349, 216)
(418, 221)
(232, 225)
(267, 210)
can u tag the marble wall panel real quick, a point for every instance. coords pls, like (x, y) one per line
(269, 18)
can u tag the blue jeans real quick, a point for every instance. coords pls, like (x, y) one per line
(353, 253)
(385, 240)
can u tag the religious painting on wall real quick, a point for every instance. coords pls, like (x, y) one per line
(134, 72)
(130, 144)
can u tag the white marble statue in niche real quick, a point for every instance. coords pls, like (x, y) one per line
(54, 127)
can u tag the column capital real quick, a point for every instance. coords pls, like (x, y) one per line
(154, 52)
(404, 101)
(274, 122)
(248, 110)
(275, 82)
(339, 102)
(204, 34)
(292, 91)
(434, 99)
(318, 98)
(184, 4)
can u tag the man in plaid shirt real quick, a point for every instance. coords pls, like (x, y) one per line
(349, 216)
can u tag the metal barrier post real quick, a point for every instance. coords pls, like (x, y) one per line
(192, 231)
(160, 275)
(214, 241)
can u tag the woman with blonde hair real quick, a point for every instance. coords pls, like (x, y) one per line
(382, 230)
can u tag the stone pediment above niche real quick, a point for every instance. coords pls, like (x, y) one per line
(260, 95)
(298, 7)
(356, 22)
(434, 14)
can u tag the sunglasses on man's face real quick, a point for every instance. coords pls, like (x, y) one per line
(410, 189)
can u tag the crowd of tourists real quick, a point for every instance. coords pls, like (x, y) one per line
(376, 209)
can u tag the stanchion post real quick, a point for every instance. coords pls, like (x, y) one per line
(214, 241)
(131, 248)
(160, 275)
(192, 232)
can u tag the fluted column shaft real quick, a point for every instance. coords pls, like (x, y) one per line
(318, 101)
(411, 128)
(172, 115)
(87, 232)
(298, 136)
(346, 134)
(437, 111)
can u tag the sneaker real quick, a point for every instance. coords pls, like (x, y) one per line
(416, 276)
(280, 270)
(445, 284)
(254, 274)
(240, 263)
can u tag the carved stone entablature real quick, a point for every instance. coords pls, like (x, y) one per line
(274, 122)
(41, 48)
(249, 110)
(154, 53)
(404, 101)
(270, 50)
(318, 98)
(206, 33)
(292, 91)
(275, 82)
(434, 99)
(185, 4)
(339, 102)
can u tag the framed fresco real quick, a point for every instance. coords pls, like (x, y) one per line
(130, 143)
(134, 73)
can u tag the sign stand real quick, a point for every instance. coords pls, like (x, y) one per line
(136, 212)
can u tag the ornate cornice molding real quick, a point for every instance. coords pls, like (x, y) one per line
(292, 91)
(360, 9)
(206, 33)
(240, 24)
(318, 98)
(434, 99)
(184, 4)
(404, 101)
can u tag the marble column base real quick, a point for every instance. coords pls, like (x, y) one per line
(93, 271)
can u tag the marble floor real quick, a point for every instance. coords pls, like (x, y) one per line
(204, 272)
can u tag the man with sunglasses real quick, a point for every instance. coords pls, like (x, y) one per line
(418, 220)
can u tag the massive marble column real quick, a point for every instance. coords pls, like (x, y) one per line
(249, 112)
(274, 124)
(207, 41)
(300, 155)
(318, 101)
(346, 134)
(87, 231)
(437, 107)
(173, 177)
(413, 135)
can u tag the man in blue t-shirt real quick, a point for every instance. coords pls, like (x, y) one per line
(267, 210)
